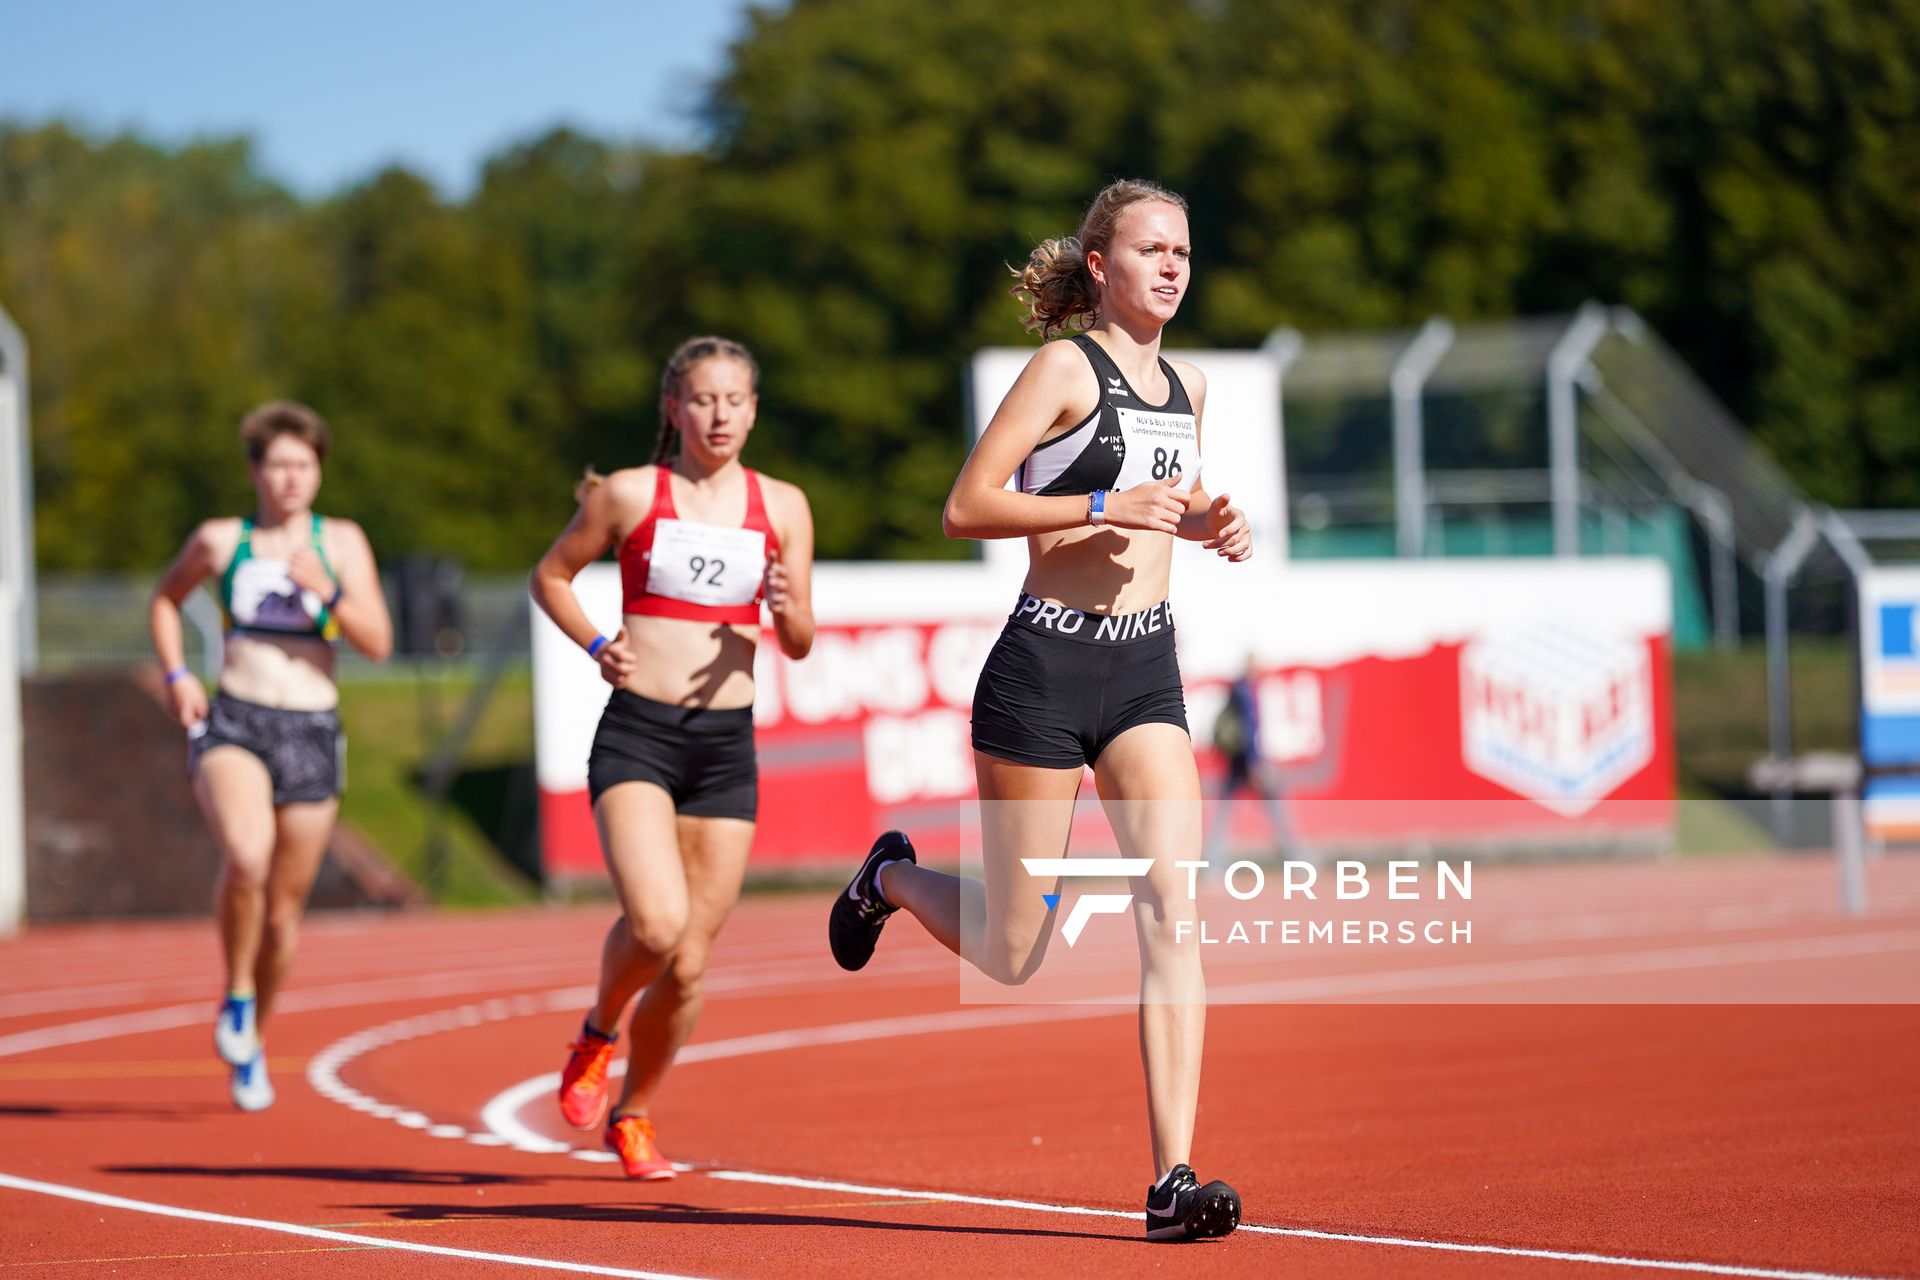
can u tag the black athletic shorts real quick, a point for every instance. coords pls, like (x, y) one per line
(701, 757)
(304, 751)
(1060, 684)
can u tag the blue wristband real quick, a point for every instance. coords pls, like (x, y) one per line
(333, 601)
(1097, 507)
(177, 673)
(599, 643)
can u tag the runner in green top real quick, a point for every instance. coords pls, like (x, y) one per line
(270, 602)
(267, 756)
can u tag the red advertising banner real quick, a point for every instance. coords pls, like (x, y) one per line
(1529, 728)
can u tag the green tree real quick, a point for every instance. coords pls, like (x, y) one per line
(146, 281)
(1746, 173)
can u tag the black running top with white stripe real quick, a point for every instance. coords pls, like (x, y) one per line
(1122, 443)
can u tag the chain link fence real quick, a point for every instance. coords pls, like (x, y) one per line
(96, 621)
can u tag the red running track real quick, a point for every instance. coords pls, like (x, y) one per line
(854, 1124)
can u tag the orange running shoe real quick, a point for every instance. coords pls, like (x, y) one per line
(583, 1081)
(632, 1138)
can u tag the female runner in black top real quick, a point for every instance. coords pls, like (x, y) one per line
(1102, 436)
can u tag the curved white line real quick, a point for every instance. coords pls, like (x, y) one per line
(169, 1017)
(504, 1128)
(501, 1115)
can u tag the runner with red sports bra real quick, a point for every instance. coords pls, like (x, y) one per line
(703, 542)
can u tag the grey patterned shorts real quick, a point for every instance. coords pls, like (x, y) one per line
(304, 751)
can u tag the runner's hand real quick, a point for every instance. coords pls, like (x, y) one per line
(616, 660)
(1153, 505)
(1232, 536)
(188, 700)
(776, 587)
(309, 573)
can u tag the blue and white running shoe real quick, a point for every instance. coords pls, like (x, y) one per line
(235, 1038)
(251, 1089)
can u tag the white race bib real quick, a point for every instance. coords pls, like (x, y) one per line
(1158, 445)
(706, 563)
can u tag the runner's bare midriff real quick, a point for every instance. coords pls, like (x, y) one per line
(692, 664)
(293, 673)
(1100, 570)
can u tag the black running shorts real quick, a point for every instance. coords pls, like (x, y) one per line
(701, 757)
(304, 751)
(1060, 684)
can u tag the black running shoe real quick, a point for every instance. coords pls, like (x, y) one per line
(858, 914)
(1181, 1209)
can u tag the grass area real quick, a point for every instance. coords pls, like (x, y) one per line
(388, 743)
(1720, 716)
(1720, 710)
(1705, 825)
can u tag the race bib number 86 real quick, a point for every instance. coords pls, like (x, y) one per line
(706, 563)
(1159, 446)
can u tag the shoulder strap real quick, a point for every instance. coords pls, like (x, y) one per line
(1092, 350)
(758, 518)
(1104, 369)
(242, 550)
(1178, 388)
(320, 542)
(662, 493)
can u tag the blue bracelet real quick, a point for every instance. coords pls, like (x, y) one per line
(599, 643)
(177, 673)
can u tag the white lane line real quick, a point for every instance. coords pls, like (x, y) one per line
(1302, 1233)
(321, 1233)
(1687, 921)
(501, 1114)
(1599, 964)
(125, 993)
(758, 978)
(168, 1017)
(341, 996)
(503, 1126)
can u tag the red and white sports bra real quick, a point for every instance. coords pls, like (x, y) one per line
(674, 568)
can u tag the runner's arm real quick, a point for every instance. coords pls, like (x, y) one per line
(359, 605)
(585, 539)
(789, 588)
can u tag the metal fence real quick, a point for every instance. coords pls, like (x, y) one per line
(90, 621)
(1505, 438)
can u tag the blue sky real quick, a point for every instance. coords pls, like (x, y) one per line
(333, 92)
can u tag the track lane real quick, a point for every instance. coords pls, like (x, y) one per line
(1627, 1128)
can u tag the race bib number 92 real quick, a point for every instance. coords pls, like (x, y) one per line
(706, 563)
